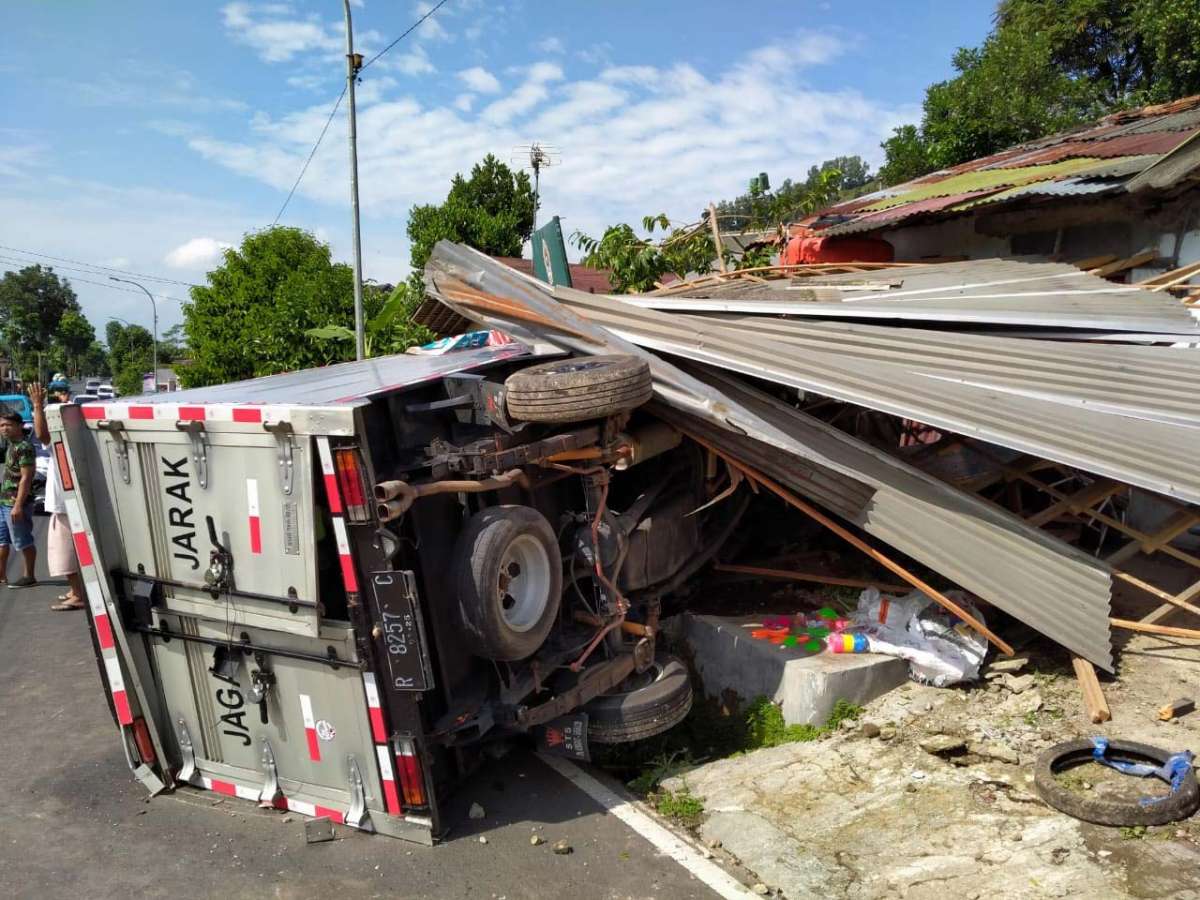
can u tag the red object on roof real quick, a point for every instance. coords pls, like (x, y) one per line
(809, 249)
(583, 278)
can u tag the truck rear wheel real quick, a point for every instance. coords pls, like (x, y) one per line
(509, 581)
(643, 705)
(579, 389)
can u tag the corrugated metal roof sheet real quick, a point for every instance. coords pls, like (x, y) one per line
(984, 179)
(1160, 456)
(1048, 584)
(344, 384)
(995, 291)
(1138, 138)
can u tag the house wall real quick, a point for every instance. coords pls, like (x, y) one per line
(1088, 229)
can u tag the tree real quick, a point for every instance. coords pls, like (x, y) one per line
(635, 264)
(492, 211)
(251, 317)
(130, 356)
(75, 335)
(1049, 65)
(32, 303)
(172, 345)
(835, 179)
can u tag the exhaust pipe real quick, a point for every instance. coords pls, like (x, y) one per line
(397, 496)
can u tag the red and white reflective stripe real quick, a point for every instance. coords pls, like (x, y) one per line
(331, 485)
(83, 549)
(253, 515)
(310, 728)
(314, 809)
(116, 684)
(230, 789)
(241, 791)
(95, 601)
(391, 796)
(387, 775)
(347, 561)
(378, 731)
(173, 412)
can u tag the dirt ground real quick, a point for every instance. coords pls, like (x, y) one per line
(877, 810)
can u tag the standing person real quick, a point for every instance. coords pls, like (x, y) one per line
(16, 496)
(60, 550)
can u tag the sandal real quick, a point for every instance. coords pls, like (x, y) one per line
(66, 604)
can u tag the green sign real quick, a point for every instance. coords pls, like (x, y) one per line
(550, 255)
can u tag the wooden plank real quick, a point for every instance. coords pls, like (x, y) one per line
(1156, 592)
(1166, 609)
(1145, 628)
(1093, 696)
(787, 575)
(1094, 262)
(1098, 490)
(1177, 523)
(1171, 278)
(1122, 265)
(891, 565)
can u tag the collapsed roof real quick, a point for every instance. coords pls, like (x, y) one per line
(1050, 585)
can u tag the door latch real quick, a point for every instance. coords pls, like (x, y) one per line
(283, 438)
(199, 438)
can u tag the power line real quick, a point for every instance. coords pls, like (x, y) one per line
(312, 153)
(337, 104)
(62, 268)
(113, 287)
(98, 266)
(410, 30)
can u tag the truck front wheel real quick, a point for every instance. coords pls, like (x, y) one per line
(509, 581)
(644, 705)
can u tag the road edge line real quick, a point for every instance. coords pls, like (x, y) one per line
(666, 842)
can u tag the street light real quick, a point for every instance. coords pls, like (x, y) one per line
(153, 306)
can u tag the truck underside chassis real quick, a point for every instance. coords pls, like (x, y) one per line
(558, 587)
(332, 609)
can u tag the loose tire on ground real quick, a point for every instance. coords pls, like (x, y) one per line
(578, 389)
(645, 705)
(508, 573)
(1111, 812)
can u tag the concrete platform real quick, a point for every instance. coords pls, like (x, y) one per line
(806, 684)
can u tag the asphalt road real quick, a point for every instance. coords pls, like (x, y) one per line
(76, 825)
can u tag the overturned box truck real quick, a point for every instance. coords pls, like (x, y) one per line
(327, 591)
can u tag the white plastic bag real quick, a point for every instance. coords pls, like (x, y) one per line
(941, 649)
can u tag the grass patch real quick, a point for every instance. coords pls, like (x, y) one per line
(680, 807)
(711, 732)
(1133, 832)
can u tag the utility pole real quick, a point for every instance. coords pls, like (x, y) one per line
(354, 62)
(154, 307)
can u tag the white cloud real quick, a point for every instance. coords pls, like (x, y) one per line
(634, 140)
(551, 45)
(415, 62)
(431, 29)
(198, 253)
(274, 32)
(531, 92)
(480, 79)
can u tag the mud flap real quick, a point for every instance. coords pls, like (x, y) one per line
(565, 736)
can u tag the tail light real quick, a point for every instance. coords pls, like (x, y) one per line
(412, 780)
(145, 746)
(351, 484)
(64, 470)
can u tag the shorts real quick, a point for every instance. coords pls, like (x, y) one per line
(60, 547)
(18, 533)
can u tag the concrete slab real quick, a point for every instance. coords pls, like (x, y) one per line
(805, 683)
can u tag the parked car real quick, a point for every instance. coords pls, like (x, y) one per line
(105, 392)
(91, 386)
(84, 398)
(18, 403)
(333, 601)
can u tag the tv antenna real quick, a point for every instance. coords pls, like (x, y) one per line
(536, 156)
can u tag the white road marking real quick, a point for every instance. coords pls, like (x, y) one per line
(665, 841)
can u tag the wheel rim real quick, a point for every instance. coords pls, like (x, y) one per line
(523, 583)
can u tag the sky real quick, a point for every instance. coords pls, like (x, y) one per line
(147, 136)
